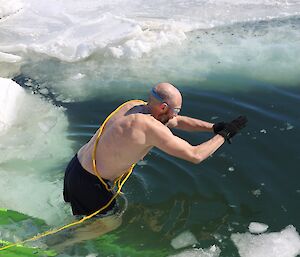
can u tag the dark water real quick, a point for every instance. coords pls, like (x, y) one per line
(256, 178)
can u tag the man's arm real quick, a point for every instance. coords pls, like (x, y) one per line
(190, 124)
(161, 137)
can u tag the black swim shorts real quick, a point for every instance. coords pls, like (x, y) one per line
(84, 191)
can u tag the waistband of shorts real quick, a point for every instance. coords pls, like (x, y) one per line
(86, 173)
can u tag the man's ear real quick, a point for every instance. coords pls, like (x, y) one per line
(163, 106)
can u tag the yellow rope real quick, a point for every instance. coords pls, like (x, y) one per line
(118, 181)
(96, 142)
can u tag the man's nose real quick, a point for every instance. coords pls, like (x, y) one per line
(173, 114)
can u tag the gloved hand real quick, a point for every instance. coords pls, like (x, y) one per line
(217, 127)
(232, 128)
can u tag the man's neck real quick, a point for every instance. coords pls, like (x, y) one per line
(146, 109)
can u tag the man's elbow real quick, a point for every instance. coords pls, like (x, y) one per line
(196, 159)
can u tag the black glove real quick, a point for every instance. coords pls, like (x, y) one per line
(232, 128)
(217, 127)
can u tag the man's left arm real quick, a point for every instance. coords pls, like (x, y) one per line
(190, 124)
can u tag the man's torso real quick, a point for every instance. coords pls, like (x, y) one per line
(122, 142)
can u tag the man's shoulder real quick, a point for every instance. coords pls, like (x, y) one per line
(145, 119)
(147, 122)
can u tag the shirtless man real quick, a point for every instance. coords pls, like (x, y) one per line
(128, 136)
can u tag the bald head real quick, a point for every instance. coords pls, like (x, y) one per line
(164, 102)
(168, 93)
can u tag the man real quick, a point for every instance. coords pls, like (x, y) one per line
(128, 136)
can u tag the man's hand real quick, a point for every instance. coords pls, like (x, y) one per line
(217, 127)
(228, 130)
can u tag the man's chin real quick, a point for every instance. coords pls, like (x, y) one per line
(164, 121)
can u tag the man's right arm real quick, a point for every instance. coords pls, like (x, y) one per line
(161, 137)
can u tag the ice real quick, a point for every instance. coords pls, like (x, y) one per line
(289, 126)
(33, 195)
(256, 192)
(33, 146)
(256, 227)
(117, 42)
(9, 58)
(150, 39)
(78, 76)
(72, 31)
(183, 240)
(9, 7)
(10, 95)
(213, 251)
(30, 127)
(285, 243)
(113, 44)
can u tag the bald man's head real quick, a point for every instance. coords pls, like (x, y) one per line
(167, 92)
(165, 101)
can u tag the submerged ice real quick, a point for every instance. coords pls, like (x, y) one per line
(184, 239)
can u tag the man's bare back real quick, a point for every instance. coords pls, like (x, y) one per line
(122, 143)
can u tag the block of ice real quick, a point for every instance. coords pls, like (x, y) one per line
(36, 127)
(285, 243)
(184, 239)
(213, 251)
(256, 227)
(10, 96)
(33, 146)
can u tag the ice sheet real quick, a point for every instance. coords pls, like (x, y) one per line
(72, 31)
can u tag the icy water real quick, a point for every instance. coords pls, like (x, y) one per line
(77, 65)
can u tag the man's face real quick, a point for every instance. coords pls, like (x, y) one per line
(164, 118)
(168, 112)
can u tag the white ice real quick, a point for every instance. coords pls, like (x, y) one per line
(72, 31)
(285, 243)
(256, 227)
(119, 43)
(184, 239)
(10, 95)
(213, 251)
(8, 8)
(33, 145)
(9, 58)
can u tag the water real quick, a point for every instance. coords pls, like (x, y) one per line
(228, 58)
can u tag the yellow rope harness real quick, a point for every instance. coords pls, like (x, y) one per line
(119, 182)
